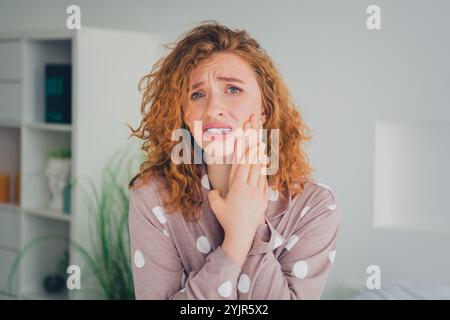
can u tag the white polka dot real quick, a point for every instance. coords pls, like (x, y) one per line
(304, 211)
(291, 242)
(225, 289)
(244, 283)
(203, 244)
(159, 214)
(332, 207)
(205, 182)
(324, 185)
(183, 279)
(273, 194)
(139, 259)
(165, 232)
(277, 242)
(331, 255)
(300, 269)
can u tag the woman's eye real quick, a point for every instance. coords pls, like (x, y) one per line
(235, 89)
(198, 94)
(194, 96)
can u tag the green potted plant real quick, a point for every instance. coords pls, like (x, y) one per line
(57, 171)
(108, 258)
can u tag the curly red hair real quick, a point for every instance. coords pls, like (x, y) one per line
(167, 86)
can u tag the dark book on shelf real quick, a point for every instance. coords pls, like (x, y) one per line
(58, 93)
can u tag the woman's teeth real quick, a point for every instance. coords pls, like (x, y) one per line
(218, 130)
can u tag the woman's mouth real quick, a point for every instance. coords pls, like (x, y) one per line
(216, 133)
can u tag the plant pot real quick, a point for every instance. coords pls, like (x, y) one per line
(54, 283)
(58, 175)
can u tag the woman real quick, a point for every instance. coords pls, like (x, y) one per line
(230, 226)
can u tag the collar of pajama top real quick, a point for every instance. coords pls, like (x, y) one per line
(278, 204)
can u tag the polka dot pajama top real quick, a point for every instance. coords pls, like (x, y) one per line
(290, 258)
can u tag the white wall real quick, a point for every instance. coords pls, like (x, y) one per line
(344, 77)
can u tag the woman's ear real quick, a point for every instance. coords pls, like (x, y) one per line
(263, 117)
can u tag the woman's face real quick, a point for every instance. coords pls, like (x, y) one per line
(223, 93)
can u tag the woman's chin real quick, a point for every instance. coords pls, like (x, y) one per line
(218, 150)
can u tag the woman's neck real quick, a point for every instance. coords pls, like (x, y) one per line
(218, 173)
(218, 177)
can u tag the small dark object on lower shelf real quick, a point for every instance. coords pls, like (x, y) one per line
(54, 283)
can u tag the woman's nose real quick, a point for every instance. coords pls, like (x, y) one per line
(215, 106)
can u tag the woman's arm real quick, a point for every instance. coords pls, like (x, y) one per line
(304, 264)
(157, 269)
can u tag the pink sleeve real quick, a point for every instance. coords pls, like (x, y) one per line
(156, 266)
(301, 270)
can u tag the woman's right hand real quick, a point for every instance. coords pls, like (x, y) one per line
(242, 209)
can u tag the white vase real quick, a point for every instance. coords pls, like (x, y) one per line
(58, 175)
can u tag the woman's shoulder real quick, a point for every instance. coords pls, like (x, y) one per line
(320, 189)
(149, 188)
(146, 201)
(146, 180)
(317, 198)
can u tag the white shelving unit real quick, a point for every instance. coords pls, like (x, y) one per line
(106, 68)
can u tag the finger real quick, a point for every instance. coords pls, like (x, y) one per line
(255, 166)
(263, 168)
(237, 154)
(262, 179)
(233, 163)
(250, 134)
(243, 170)
(248, 140)
(254, 130)
(250, 152)
(260, 130)
(243, 142)
(266, 190)
(255, 170)
(265, 158)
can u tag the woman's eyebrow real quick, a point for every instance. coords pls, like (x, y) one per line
(227, 79)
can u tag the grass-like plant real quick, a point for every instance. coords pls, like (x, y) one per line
(59, 154)
(108, 259)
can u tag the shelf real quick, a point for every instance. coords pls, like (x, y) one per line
(10, 80)
(49, 126)
(37, 34)
(10, 137)
(10, 206)
(26, 139)
(9, 123)
(42, 295)
(48, 213)
(38, 54)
